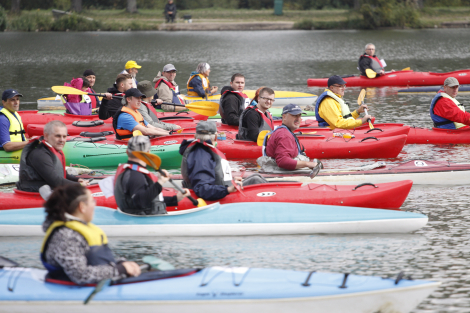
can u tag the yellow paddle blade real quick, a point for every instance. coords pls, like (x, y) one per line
(65, 90)
(206, 108)
(406, 69)
(136, 133)
(152, 160)
(370, 125)
(370, 73)
(261, 136)
(201, 202)
(361, 97)
(179, 131)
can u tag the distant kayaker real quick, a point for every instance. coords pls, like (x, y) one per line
(12, 133)
(167, 89)
(131, 68)
(233, 101)
(77, 104)
(204, 167)
(370, 61)
(147, 110)
(95, 101)
(198, 83)
(255, 119)
(446, 112)
(136, 189)
(43, 162)
(109, 108)
(128, 119)
(331, 110)
(281, 148)
(74, 249)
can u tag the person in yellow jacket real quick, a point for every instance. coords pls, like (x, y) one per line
(333, 112)
(12, 133)
(198, 83)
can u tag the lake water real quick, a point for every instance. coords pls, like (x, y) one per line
(283, 60)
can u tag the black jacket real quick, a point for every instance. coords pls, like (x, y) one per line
(109, 108)
(232, 105)
(364, 63)
(170, 8)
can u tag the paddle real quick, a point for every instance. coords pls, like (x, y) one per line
(206, 108)
(154, 161)
(261, 136)
(360, 101)
(370, 73)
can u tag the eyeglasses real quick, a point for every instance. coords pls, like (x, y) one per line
(339, 86)
(371, 49)
(267, 99)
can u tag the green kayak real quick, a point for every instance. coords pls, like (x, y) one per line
(96, 155)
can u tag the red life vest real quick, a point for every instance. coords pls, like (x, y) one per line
(175, 98)
(137, 168)
(59, 154)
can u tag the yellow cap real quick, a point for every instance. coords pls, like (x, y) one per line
(132, 64)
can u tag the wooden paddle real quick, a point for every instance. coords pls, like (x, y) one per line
(206, 108)
(154, 161)
(360, 100)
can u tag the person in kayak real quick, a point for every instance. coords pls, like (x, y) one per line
(131, 68)
(128, 119)
(77, 104)
(370, 61)
(147, 110)
(204, 167)
(255, 119)
(446, 112)
(281, 148)
(109, 108)
(332, 111)
(74, 249)
(233, 101)
(254, 101)
(167, 89)
(95, 100)
(43, 162)
(12, 133)
(136, 189)
(198, 83)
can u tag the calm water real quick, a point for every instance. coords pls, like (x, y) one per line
(33, 62)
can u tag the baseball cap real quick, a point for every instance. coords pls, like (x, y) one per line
(451, 82)
(146, 88)
(169, 67)
(335, 79)
(132, 64)
(292, 109)
(10, 93)
(139, 143)
(206, 128)
(133, 92)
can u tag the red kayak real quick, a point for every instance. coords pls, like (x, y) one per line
(397, 78)
(380, 130)
(438, 136)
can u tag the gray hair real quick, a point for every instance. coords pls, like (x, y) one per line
(205, 137)
(202, 67)
(369, 44)
(49, 128)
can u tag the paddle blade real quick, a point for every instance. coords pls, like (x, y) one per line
(157, 264)
(370, 73)
(150, 159)
(237, 186)
(206, 108)
(65, 90)
(406, 69)
(100, 286)
(136, 133)
(261, 136)
(361, 97)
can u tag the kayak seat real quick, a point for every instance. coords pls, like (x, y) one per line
(88, 123)
(97, 134)
(87, 139)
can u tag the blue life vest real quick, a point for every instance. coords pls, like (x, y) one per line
(321, 122)
(439, 121)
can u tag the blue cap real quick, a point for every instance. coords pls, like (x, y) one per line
(292, 109)
(335, 79)
(10, 93)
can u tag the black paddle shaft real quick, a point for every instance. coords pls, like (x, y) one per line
(194, 201)
(120, 97)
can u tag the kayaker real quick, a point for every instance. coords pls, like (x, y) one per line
(147, 110)
(204, 167)
(254, 101)
(446, 112)
(255, 119)
(73, 248)
(370, 61)
(12, 133)
(136, 189)
(167, 89)
(43, 162)
(128, 119)
(233, 101)
(77, 104)
(95, 100)
(281, 148)
(198, 83)
(331, 110)
(131, 68)
(109, 108)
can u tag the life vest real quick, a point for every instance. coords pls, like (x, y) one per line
(300, 149)
(95, 101)
(205, 84)
(152, 112)
(124, 134)
(16, 129)
(29, 179)
(243, 102)
(175, 92)
(223, 172)
(345, 112)
(439, 121)
(266, 123)
(376, 65)
(124, 201)
(99, 253)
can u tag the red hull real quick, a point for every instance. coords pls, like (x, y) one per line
(438, 136)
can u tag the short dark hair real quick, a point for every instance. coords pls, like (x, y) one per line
(266, 89)
(122, 77)
(235, 76)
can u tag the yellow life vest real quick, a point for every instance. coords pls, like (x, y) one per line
(16, 126)
(458, 104)
(205, 85)
(343, 106)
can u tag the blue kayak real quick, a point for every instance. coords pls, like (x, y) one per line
(216, 289)
(249, 218)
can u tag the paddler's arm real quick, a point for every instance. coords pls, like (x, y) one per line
(331, 113)
(446, 108)
(14, 146)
